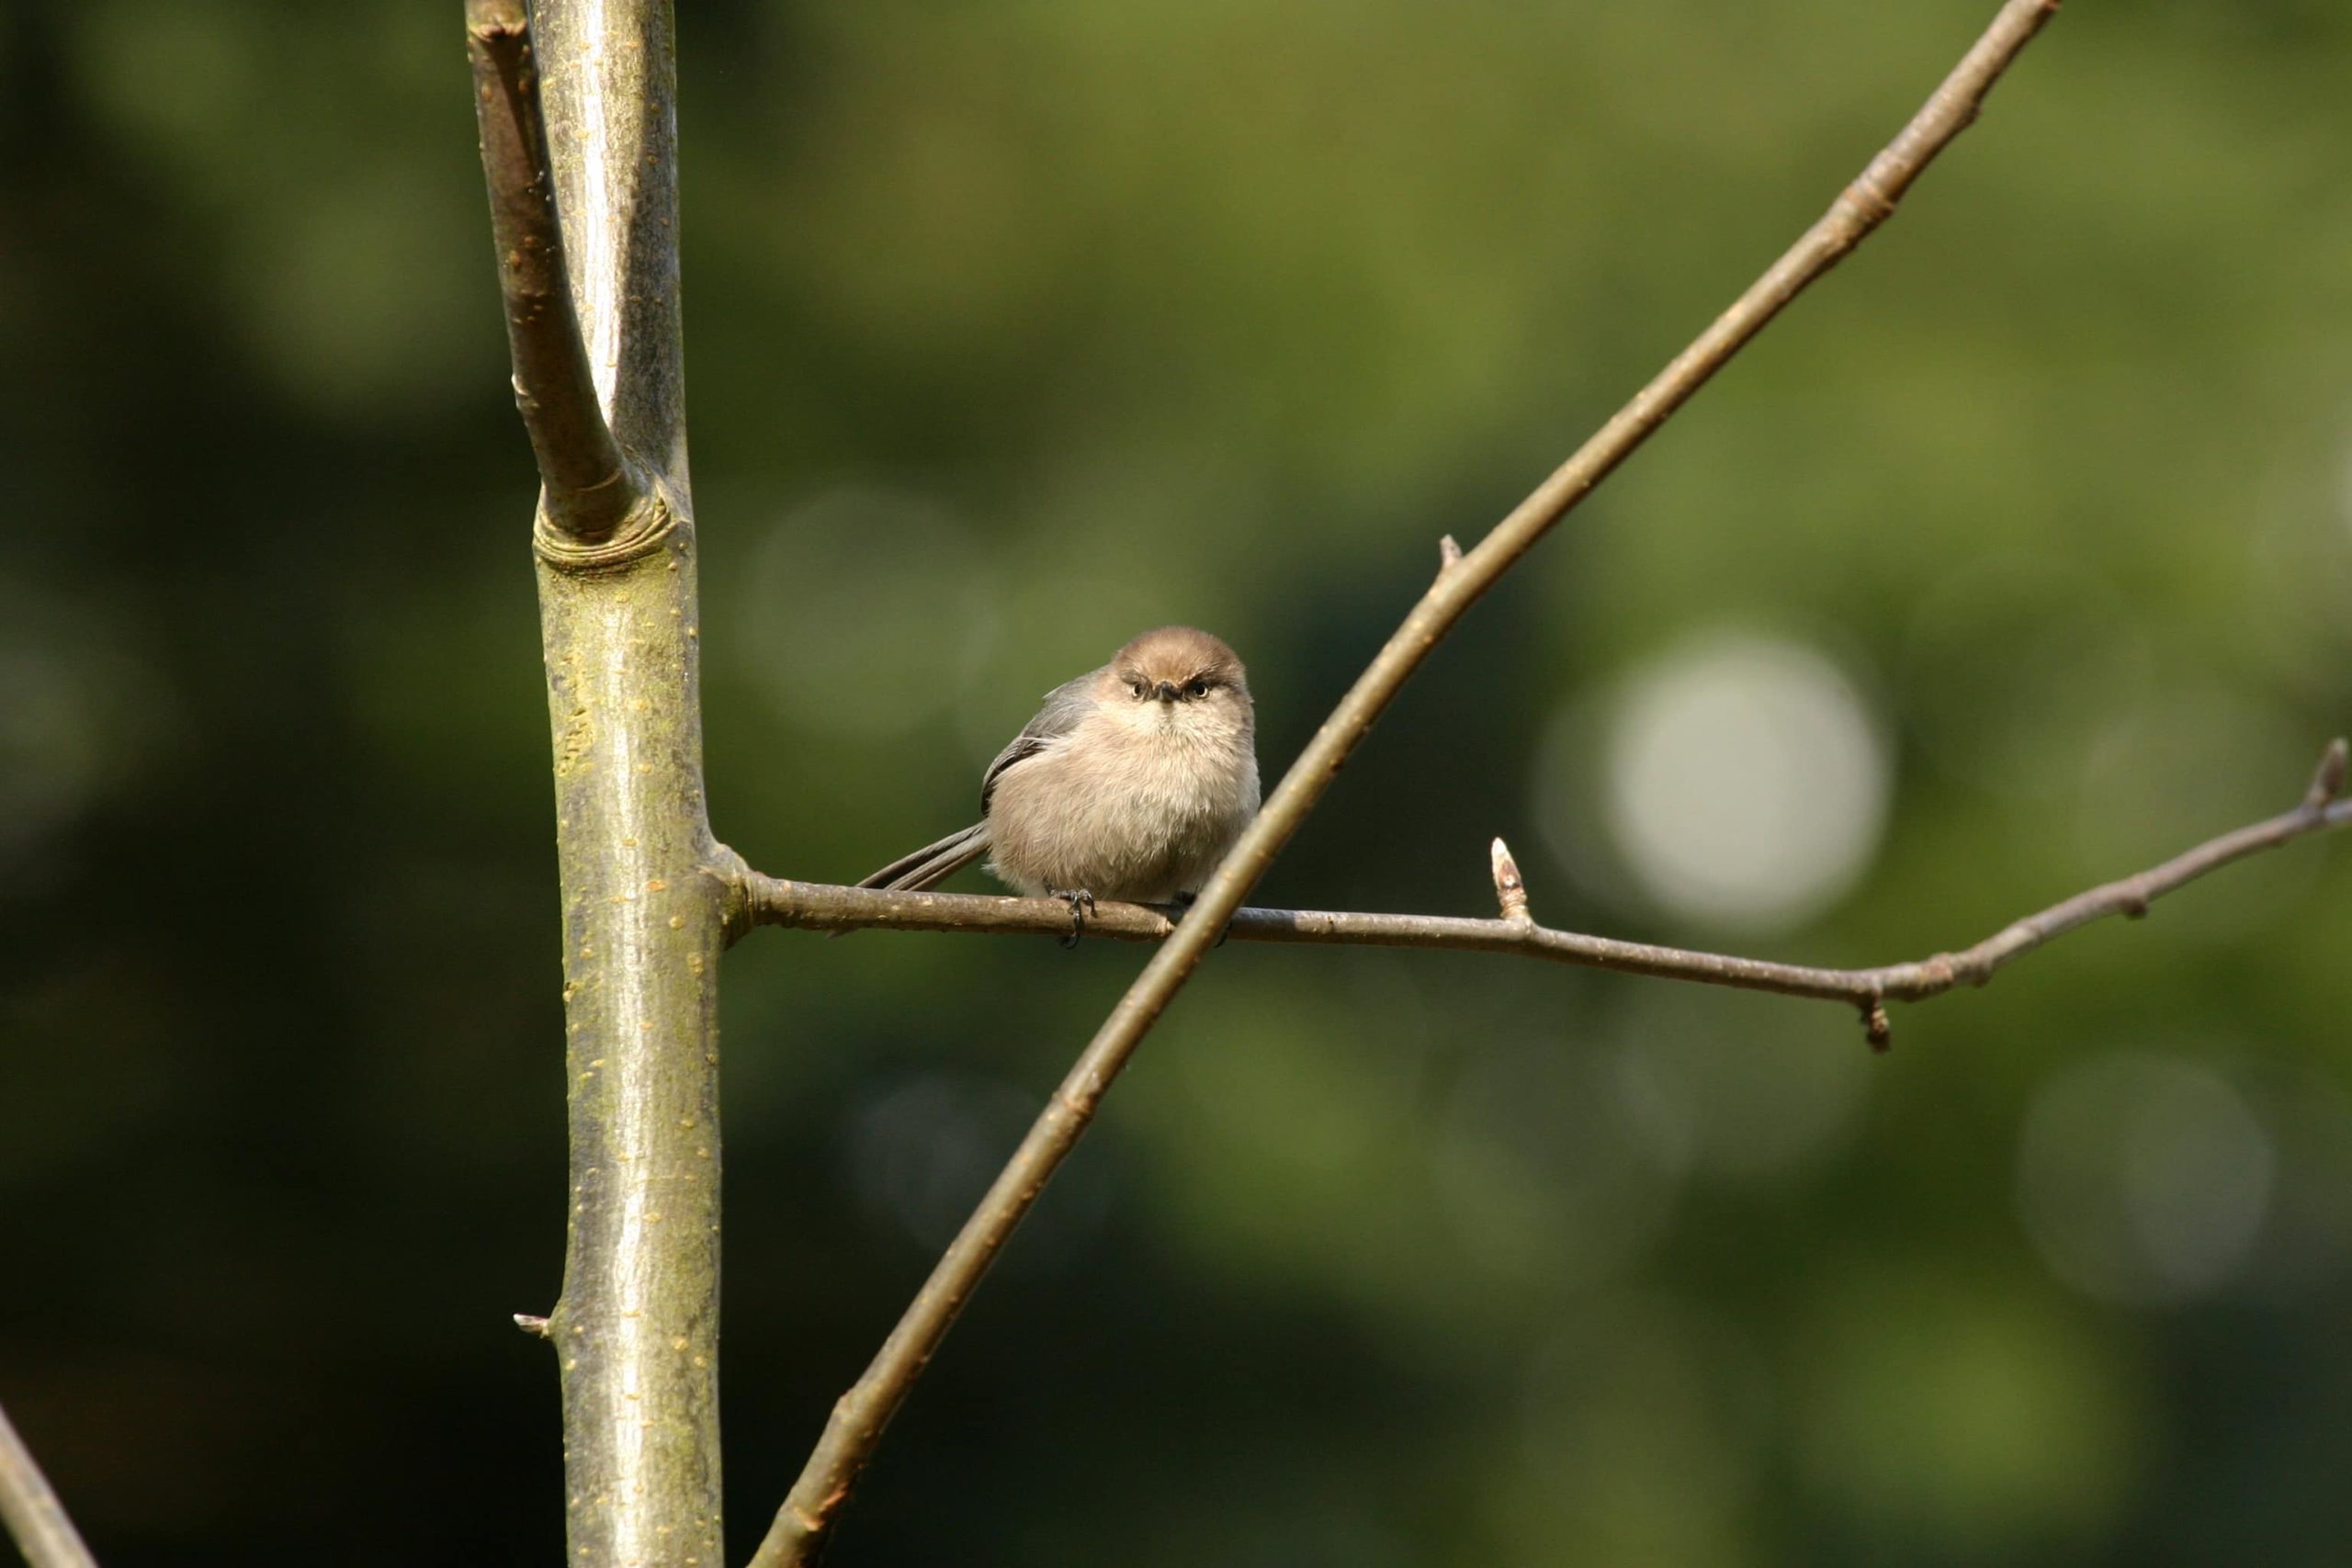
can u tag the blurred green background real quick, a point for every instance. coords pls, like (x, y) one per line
(2018, 557)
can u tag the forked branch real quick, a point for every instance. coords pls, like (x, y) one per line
(576, 107)
(30, 1507)
(590, 488)
(857, 1421)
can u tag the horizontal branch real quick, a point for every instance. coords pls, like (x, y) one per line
(590, 488)
(31, 1511)
(816, 905)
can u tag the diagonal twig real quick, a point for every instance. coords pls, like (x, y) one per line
(816, 905)
(589, 487)
(31, 1511)
(857, 1421)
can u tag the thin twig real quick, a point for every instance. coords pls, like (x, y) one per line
(30, 1507)
(857, 1421)
(813, 906)
(590, 488)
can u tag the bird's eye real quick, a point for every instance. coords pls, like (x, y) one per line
(1139, 688)
(1198, 688)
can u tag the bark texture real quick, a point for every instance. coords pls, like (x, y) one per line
(646, 891)
(636, 1331)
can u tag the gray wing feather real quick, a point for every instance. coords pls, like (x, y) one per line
(1065, 708)
(932, 863)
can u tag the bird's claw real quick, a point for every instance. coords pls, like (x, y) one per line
(1081, 904)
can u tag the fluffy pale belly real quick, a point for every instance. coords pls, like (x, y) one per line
(1140, 833)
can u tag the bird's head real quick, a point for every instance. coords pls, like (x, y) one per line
(1178, 678)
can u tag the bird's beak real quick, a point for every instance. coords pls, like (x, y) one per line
(1168, 690)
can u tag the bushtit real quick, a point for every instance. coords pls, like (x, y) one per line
(1131, 782)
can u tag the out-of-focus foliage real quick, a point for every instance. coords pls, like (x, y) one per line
(2018, 556)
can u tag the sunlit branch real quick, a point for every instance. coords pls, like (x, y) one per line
(578, 116)
(858, 1419)
(31, 1511)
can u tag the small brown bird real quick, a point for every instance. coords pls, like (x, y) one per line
(1131, 782)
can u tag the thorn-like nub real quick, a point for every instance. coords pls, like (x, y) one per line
(1510, 888)
(1875, 1026)
(1448, 553)
(2328, 781)
(531, 1324)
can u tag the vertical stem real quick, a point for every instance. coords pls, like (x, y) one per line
(636, 1331)
(609, 76)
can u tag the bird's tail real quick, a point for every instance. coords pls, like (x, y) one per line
(932, 863)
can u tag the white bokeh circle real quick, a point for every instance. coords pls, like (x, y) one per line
(1744, 781)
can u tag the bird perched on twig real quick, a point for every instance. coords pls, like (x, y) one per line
(1131, 782)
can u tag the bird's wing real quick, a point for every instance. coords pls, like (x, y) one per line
(1065, 706)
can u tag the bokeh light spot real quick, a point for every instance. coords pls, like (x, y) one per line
(1745, 784)
(2143, 1180)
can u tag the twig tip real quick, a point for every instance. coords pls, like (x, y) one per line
(1510, 887)
(532, 1325)
(2327, 783)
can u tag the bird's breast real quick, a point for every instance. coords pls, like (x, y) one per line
(1122, 810)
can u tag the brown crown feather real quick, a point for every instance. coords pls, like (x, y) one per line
(1178, 654)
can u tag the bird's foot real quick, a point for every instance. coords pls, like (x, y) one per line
(1081, 904)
